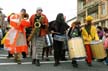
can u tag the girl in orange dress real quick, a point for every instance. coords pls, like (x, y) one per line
(15, 40)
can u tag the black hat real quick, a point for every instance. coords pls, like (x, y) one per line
(23, 10)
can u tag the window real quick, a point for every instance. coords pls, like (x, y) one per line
(103, 23)
(81, 4)
(103, 7)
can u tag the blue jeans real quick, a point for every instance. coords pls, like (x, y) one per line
(106, 59)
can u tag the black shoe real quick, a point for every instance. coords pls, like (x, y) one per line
(34, 61)
(37, 62)
(47, 59)
(10, 56)
(75, 65)
(56, 64)
(24, 55)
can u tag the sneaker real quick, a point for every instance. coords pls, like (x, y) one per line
(105, 63)
(34, 61)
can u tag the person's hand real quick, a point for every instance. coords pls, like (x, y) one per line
(52, 32)
(96, 40)
(43, 26)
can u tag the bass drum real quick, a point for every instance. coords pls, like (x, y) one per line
(76, 48)
(98, 50)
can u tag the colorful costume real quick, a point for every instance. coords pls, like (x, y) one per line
(88, 37)
(106, 47)
(38, 40)
(15, 39)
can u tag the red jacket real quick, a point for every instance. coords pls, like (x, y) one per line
(43, 32)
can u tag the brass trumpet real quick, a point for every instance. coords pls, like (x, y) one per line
(25, 16)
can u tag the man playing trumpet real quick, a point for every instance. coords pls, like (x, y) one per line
(39, 23)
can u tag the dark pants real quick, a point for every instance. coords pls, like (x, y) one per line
(106, 59)
(45, 49)
(107, 52)
(58, 46)
(63, 54)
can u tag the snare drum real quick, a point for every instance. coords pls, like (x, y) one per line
(48, 40)
(76, 48)
(98, 50)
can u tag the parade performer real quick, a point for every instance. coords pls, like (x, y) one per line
(75, 32)
(106, 45)
(8, 19)
(100, 32)
(89, 33)
(39, 24)
(59, 30)
(2, 21)
(15, 40)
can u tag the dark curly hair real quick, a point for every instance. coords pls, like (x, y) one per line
(99, 27)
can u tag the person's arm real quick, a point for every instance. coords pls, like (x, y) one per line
(66, 26)
(69, 35)
(96, 35)
(31, 21)
(45, 20)
(25, 23)
(44, 24)
(79, 31)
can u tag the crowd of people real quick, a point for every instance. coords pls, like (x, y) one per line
(56, 35)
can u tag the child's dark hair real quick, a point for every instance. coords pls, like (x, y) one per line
(105, 29)
(99, 27)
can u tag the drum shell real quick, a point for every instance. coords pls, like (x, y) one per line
(48, 40)
(98, 50)
(76, 48)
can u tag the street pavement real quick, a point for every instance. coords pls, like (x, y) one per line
(10, 65)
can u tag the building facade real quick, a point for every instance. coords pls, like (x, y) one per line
(98, 9)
